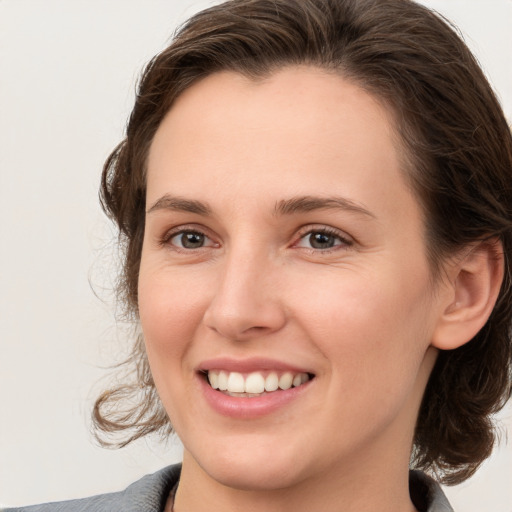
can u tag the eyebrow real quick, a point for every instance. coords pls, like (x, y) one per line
(180, 204)
(303, 204)
(300, 204)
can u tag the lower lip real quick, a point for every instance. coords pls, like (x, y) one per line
(248, 408)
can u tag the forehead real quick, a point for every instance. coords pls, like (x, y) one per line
(317, 95)
(302, 128)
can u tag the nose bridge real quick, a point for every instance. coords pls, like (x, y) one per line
(246, 300)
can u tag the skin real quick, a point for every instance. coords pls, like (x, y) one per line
(360, 315)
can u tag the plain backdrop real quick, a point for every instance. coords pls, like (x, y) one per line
(67, 79)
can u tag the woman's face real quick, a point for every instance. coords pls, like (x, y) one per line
(284, 248)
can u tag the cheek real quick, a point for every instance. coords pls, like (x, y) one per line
(372, 330)
(171, 308)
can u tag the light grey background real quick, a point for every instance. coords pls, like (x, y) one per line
(67, 76)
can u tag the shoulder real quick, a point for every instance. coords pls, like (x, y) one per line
(148, 494)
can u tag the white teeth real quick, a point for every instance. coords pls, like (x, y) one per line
(213, 377)
(297, 381)
(254, 384)
(223, 381)
(272, 382)
(236, 383)
(286, 380)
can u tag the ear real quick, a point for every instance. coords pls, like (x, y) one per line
(475, 278)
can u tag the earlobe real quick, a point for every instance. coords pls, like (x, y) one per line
(475, 282)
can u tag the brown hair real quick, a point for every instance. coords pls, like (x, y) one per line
(459, 152)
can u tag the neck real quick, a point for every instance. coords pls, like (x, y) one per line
(358, 488)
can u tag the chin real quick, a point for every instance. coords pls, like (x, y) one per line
(252, 470)
(255, 479)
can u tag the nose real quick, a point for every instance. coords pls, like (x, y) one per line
(247, 300)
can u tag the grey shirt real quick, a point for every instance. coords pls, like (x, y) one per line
(149, 494)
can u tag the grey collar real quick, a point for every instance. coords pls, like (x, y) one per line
(150, 493)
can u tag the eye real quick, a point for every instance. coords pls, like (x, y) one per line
(188, 239)
(322, 239)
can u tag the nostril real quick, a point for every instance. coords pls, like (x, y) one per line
(256, 328)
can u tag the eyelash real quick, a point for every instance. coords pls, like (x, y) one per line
(166, 240)
(303, 234)
(345, 242)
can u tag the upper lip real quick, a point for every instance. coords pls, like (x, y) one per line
(249, 365)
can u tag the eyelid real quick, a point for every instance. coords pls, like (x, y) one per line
(346, 240)
(165, 240)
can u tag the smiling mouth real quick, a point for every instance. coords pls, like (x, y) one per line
(254, 384)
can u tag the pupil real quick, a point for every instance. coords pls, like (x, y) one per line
(321, 240)
(192, 240)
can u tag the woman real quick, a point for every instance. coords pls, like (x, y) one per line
(315, 202)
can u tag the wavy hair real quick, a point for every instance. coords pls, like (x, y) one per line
(458, 148)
